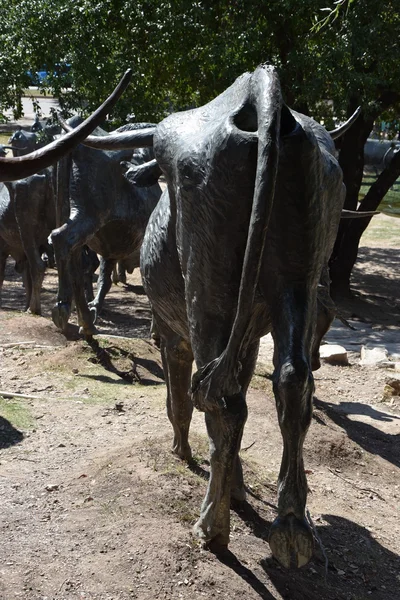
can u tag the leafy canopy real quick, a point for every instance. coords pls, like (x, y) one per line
(183, 53)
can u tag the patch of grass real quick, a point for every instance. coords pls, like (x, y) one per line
(76, 368)
(186, 513)
(200, 447)
(260, 383)
(180, 486)
(382, 229)
(166, 463)
(8, 316)
(17, 413)
(261, 379)
(4, 137)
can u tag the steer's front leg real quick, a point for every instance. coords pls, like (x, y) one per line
(85, 316)
(67, 241)
(104, 283)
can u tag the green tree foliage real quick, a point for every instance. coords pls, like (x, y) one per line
(184, 53)
(331, 56)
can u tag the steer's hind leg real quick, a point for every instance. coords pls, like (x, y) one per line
(177, 361)
(90, 263)
(66, 240)
(292, 318)
(326, 312)
(23, 268)
(225, 428)
(36, 269)
(121, 272)
(248, 364)
(85, 317)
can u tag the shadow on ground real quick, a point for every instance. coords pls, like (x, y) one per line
(368, 437)
(352, 565)
(9, 436)
(376, 269)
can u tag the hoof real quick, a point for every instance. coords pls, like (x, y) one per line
(217, 543)
(315, 362)
(87, 331)
(60, 315)
(183, 451)
(34, 311)
(291, 541)
(216, 546)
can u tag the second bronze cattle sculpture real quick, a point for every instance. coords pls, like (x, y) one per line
(104, 209)
(236, 248)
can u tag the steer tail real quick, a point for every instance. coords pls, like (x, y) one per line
(218, 379)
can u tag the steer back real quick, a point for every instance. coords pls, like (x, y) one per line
(215, 158)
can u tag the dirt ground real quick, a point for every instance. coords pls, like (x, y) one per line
(94, 505)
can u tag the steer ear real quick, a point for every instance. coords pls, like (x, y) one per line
(145, 175)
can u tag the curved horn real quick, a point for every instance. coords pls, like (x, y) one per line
(24, 166)
(355, 214)
(138, 138)
(336, 133)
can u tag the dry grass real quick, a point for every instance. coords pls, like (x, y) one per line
(4, 137)
(382, 231)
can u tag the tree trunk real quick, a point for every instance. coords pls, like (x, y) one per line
(356, 227)
(351, 159)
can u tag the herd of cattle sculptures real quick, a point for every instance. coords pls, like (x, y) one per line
(235, 247)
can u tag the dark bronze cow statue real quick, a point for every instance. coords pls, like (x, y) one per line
(108, 212)
(237, 247)
(27, 204)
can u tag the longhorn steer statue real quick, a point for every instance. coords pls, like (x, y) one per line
(23, 142)
(27, 205)
(236, 248)
(378, 154)
(109, 213)
(27, 216)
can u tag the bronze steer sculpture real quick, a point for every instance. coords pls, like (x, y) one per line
(108, 212)
(27, 216)
(27, 205)
(235, 249)
(24, 142)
